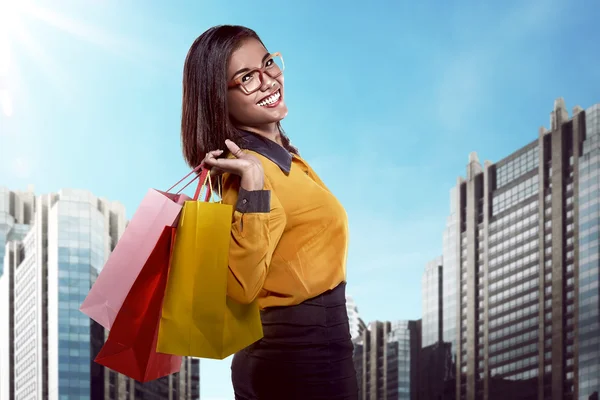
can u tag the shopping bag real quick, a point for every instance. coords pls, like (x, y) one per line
(198, 318)
(157, 210)
(131, 345)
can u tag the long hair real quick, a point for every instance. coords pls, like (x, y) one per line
(205, 121)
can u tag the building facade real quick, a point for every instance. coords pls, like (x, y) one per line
(356, 323)
(587, 255)
(436, 363)
(16, 217)
(16, 213)
(432, 290)
(50, 345)
(450, 273)
(386, 359)
(528, 269)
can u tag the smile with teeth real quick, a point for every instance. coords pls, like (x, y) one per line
(271, 99)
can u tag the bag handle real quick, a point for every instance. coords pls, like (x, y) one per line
(198, 168)
(203, 178)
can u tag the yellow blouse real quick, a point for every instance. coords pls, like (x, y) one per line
(289, 241)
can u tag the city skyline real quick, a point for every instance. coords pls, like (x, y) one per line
(57, 245)
(523, 232)
(529, 271)
(523, 255)
(397, 97)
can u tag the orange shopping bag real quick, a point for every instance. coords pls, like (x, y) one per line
(198, 318)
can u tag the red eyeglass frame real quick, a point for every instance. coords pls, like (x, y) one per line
(261, 71)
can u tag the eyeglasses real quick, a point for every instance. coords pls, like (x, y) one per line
(252, 80)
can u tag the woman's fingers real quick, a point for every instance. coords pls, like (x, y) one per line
(234, 149)
(231, 165)
(238, 165)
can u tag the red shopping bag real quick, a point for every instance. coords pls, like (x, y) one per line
(157, 210)
(131, 345)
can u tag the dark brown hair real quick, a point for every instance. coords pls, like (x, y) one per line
(205, 121)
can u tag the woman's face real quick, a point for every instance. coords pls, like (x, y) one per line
(252, 109)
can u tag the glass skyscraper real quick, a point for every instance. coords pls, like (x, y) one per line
(356, 324)
(81, 232)
(450, 276)
(527, 257)
(51, 344)
(588, 218)
(436, 363)
(432, 303)
(386, 356)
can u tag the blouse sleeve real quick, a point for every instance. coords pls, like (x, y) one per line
(257, 225)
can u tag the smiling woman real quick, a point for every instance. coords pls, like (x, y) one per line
(289, 233)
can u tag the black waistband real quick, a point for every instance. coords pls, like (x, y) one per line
(330, 298)
(333, 297)
(323, 309)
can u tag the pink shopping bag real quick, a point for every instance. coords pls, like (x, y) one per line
(157, 211)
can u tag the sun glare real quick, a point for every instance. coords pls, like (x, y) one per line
(19, 37)
(9, 10)
(8, 15)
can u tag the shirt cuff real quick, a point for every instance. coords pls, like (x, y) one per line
(255, 201)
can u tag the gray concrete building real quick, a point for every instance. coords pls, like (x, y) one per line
(528, 270)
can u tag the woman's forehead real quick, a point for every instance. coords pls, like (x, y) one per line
(249, 55)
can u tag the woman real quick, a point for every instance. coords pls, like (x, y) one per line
(289, 233)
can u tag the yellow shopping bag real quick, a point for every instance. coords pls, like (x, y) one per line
(198, 318)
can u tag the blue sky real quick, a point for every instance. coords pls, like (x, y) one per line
(386, 101)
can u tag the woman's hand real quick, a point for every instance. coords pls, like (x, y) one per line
(247, 166)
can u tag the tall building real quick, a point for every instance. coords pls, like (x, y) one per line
(528, 258)
(435, 359)
(49, 345)
(356, 323)
(432, 303)
(435, 373)
(16, 216)
(16, 213)
(450, 273)
(386, 359)
(586, 227)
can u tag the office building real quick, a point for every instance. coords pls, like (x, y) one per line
(48, 344)
(16, 213)
(432, 303)
(356, 323)
(435, 360)
(436, 375)
(527, 252)
(450, 279)
(386, 357)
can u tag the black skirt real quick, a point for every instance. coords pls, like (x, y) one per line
(306, 353)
